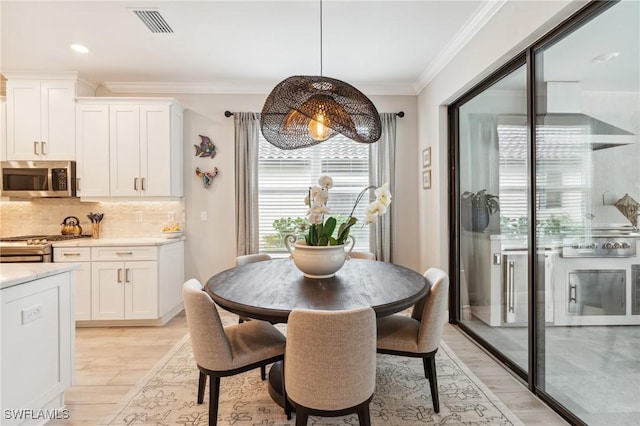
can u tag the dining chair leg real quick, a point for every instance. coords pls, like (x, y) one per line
(263, 372)
(301, 416)
(202, 383)
(364, 416)
(429, 363)
(214, 392)
(288, 409)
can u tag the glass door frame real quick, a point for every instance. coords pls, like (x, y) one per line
(536, 314)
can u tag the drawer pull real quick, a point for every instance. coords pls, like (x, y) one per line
(124, 253)
(71, 254)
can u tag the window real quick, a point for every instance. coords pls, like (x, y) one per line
(284, 177)
(563, 162)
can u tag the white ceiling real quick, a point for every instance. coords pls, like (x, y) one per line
(241, 46)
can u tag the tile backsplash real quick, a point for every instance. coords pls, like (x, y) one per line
(121, 219)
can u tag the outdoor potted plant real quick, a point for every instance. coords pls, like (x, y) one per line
(477, 208)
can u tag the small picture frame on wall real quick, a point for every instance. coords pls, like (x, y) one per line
(426, 179)
(426, 157)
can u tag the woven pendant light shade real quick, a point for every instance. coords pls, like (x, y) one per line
(305, 110)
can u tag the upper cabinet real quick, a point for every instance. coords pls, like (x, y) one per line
(41, 117)
(3, 127)
(142, 140)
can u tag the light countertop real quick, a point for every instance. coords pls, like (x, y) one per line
(12, 274)
(106, 242)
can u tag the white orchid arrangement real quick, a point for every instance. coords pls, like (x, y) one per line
(321, 230)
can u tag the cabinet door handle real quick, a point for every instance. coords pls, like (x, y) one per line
(124, 253)
(77, 184)
(126, 275)
(119, 275)
(43, 145)
(35, 148)
(71, 254)
(143, 186)
(135, 184)
(573, 293)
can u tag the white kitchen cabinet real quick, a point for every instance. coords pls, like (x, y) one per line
(41, 118)
(92, 151)
(82, 256)
(37, 342)
(124, 283)
(136, 285)
(3, 127)
(142, 139)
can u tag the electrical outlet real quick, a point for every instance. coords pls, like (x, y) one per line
(171, 217)
(138, 216)
(31, 314)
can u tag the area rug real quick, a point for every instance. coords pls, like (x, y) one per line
(167, 395)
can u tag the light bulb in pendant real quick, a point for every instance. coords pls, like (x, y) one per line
(318, 128)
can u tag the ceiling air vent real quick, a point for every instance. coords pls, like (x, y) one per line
(154, 21)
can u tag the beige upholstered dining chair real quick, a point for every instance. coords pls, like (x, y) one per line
(244, 260)
(362, 255)
(330, 363)
(225, 351)
(419, 335)
(250, 258)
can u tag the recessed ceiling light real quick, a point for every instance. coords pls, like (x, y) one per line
(605, 57)
(80, 48)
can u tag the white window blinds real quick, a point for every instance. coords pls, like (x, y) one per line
(563, 170)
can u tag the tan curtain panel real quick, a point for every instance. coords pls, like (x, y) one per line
(247, 132)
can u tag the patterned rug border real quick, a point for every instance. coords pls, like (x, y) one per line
(147, 377)
(124, 402)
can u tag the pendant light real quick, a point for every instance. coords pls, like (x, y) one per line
(305, 110)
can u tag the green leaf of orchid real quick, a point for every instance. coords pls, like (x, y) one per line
(329, 227)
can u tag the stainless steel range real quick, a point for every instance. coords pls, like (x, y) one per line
(30, 248)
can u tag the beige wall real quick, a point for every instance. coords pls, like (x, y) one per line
(515, 26)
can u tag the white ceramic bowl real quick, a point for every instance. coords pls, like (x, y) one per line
(172, 234)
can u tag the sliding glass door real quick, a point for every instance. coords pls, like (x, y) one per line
(493, 184)
(587, 166)
(546, 247)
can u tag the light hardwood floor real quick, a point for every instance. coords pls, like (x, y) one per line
(110, 361)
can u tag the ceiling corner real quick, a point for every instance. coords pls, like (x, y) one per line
(474, 24)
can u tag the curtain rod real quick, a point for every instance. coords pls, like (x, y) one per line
(230, 114)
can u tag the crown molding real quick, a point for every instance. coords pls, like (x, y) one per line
(234, 88)
(462, 37)
(185, 88)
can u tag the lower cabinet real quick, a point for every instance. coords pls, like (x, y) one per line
(82, 256)
(37, 342)
(125, 283)
(124, 290)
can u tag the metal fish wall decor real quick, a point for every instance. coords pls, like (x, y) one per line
(206, 147)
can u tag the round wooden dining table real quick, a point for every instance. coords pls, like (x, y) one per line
(270, 290)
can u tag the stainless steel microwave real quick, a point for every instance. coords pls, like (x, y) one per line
(38, 179)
